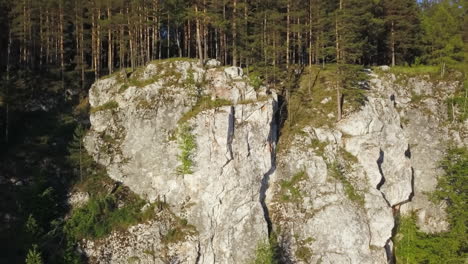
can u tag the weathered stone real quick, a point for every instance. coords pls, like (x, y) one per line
(212, 63)
(235, 144)
(332, 192)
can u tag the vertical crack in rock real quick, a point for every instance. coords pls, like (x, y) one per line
(263, 190)
(197, 260)
(272, 138)
(387, 247)
(230, 137)
(380, 161)
(408, 152)
(230, 132)
(389, 252)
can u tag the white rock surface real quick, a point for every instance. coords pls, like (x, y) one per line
(388, 153)
(212, 63)
(138, 144)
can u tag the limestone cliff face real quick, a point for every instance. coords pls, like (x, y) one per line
(140, 142)
(330, 196)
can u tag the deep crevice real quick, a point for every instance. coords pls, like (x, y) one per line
(263, 190)
(408, 152)
(197, 260)
(230, 132)
(410, 198)
(389, 251)
(272, 140)
(380, 161)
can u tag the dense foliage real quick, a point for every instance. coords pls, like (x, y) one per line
(414, 246)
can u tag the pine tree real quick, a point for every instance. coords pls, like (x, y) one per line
(34, 256)
(443, 27)
(402, 19)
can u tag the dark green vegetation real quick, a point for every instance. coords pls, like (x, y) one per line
(98, 217)
(187, 146)
(414, 246)
(267, 252)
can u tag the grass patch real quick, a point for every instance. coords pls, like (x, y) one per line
(457, 105)
(413, 246)
(337, 172)
(434, 72)
(165, 70)
(203, 103)
(266, 252)
(187, 146)
(146, 104)
(318, 146)
(314, 101)
(289, 192)
(303, 252)
(178, 231)
(347, 156)
(416, 70)
(107, 106)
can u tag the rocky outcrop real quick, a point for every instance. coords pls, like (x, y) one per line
(217, 185)
(427, 127)
(354, 174)
(203, 142)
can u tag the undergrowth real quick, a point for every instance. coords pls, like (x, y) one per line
(266, 252)
(187, 146)
(289, 191)
(102, 214)
(203, 103)
(107, 106)
(337, 171)
(313, 101)
(413, 246)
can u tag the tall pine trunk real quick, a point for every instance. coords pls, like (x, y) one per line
(110, 58)
(392, 36)
(199, 45)
(62, 51)
(234, 34)
(288, 28)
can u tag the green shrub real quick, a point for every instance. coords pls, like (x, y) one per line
(101, 215)
(255, 80)
(265, 253)
(303, 253)
(34, 256)
(179, 230)
(413, 246)
(187, 145)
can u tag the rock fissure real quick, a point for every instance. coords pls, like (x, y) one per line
(262, 197)
(241, 186)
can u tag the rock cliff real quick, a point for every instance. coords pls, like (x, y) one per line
(203, 143)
